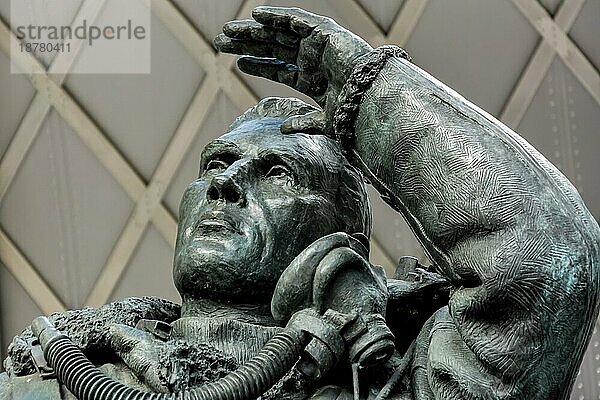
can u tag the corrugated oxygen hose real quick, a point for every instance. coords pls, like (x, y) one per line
(87, 382)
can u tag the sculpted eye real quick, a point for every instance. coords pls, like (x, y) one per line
(218, 156)
(216, 164)
(282, 173)
(278, 171)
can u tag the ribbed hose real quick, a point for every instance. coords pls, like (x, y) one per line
(251, 380)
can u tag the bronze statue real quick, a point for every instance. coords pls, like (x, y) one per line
(279, 299)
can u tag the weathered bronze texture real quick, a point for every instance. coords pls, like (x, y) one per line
(272, 249)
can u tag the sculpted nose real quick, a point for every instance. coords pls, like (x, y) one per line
(225, 188)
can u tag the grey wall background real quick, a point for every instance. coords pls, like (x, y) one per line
(93, 166)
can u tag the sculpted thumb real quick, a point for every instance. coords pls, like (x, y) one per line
(312, 123)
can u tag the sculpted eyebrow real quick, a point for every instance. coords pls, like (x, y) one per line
(218, 147)
(225, 151)
(282, 157)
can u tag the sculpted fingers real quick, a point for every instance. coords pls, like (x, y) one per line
(269, 68)
(293, 19)
(316, 53)
(248, 29)
(255, 48)
(293, 36)
(125, 338)
(134, 346)
(140, 351)
(312, 123)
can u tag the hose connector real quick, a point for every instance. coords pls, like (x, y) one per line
(326, 345)
(45, 331)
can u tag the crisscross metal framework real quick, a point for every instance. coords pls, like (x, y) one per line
(220, 78)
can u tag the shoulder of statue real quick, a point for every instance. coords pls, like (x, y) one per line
(87, 328)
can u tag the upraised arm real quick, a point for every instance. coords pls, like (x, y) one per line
(503, 225)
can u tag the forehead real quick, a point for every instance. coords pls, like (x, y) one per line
(259, 136)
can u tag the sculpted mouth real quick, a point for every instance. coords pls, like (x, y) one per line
(216, 222)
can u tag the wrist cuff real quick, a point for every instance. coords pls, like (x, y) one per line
(363, 75)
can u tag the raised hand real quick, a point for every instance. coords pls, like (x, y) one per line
(308, 52)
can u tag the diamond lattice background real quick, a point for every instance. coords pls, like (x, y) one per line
(92, 166)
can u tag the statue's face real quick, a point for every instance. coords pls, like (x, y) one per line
(260, 199)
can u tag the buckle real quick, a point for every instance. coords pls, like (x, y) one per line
(159, 329)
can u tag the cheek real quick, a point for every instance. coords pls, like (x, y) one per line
(192, 201)
(193, 197)
(282, 206)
